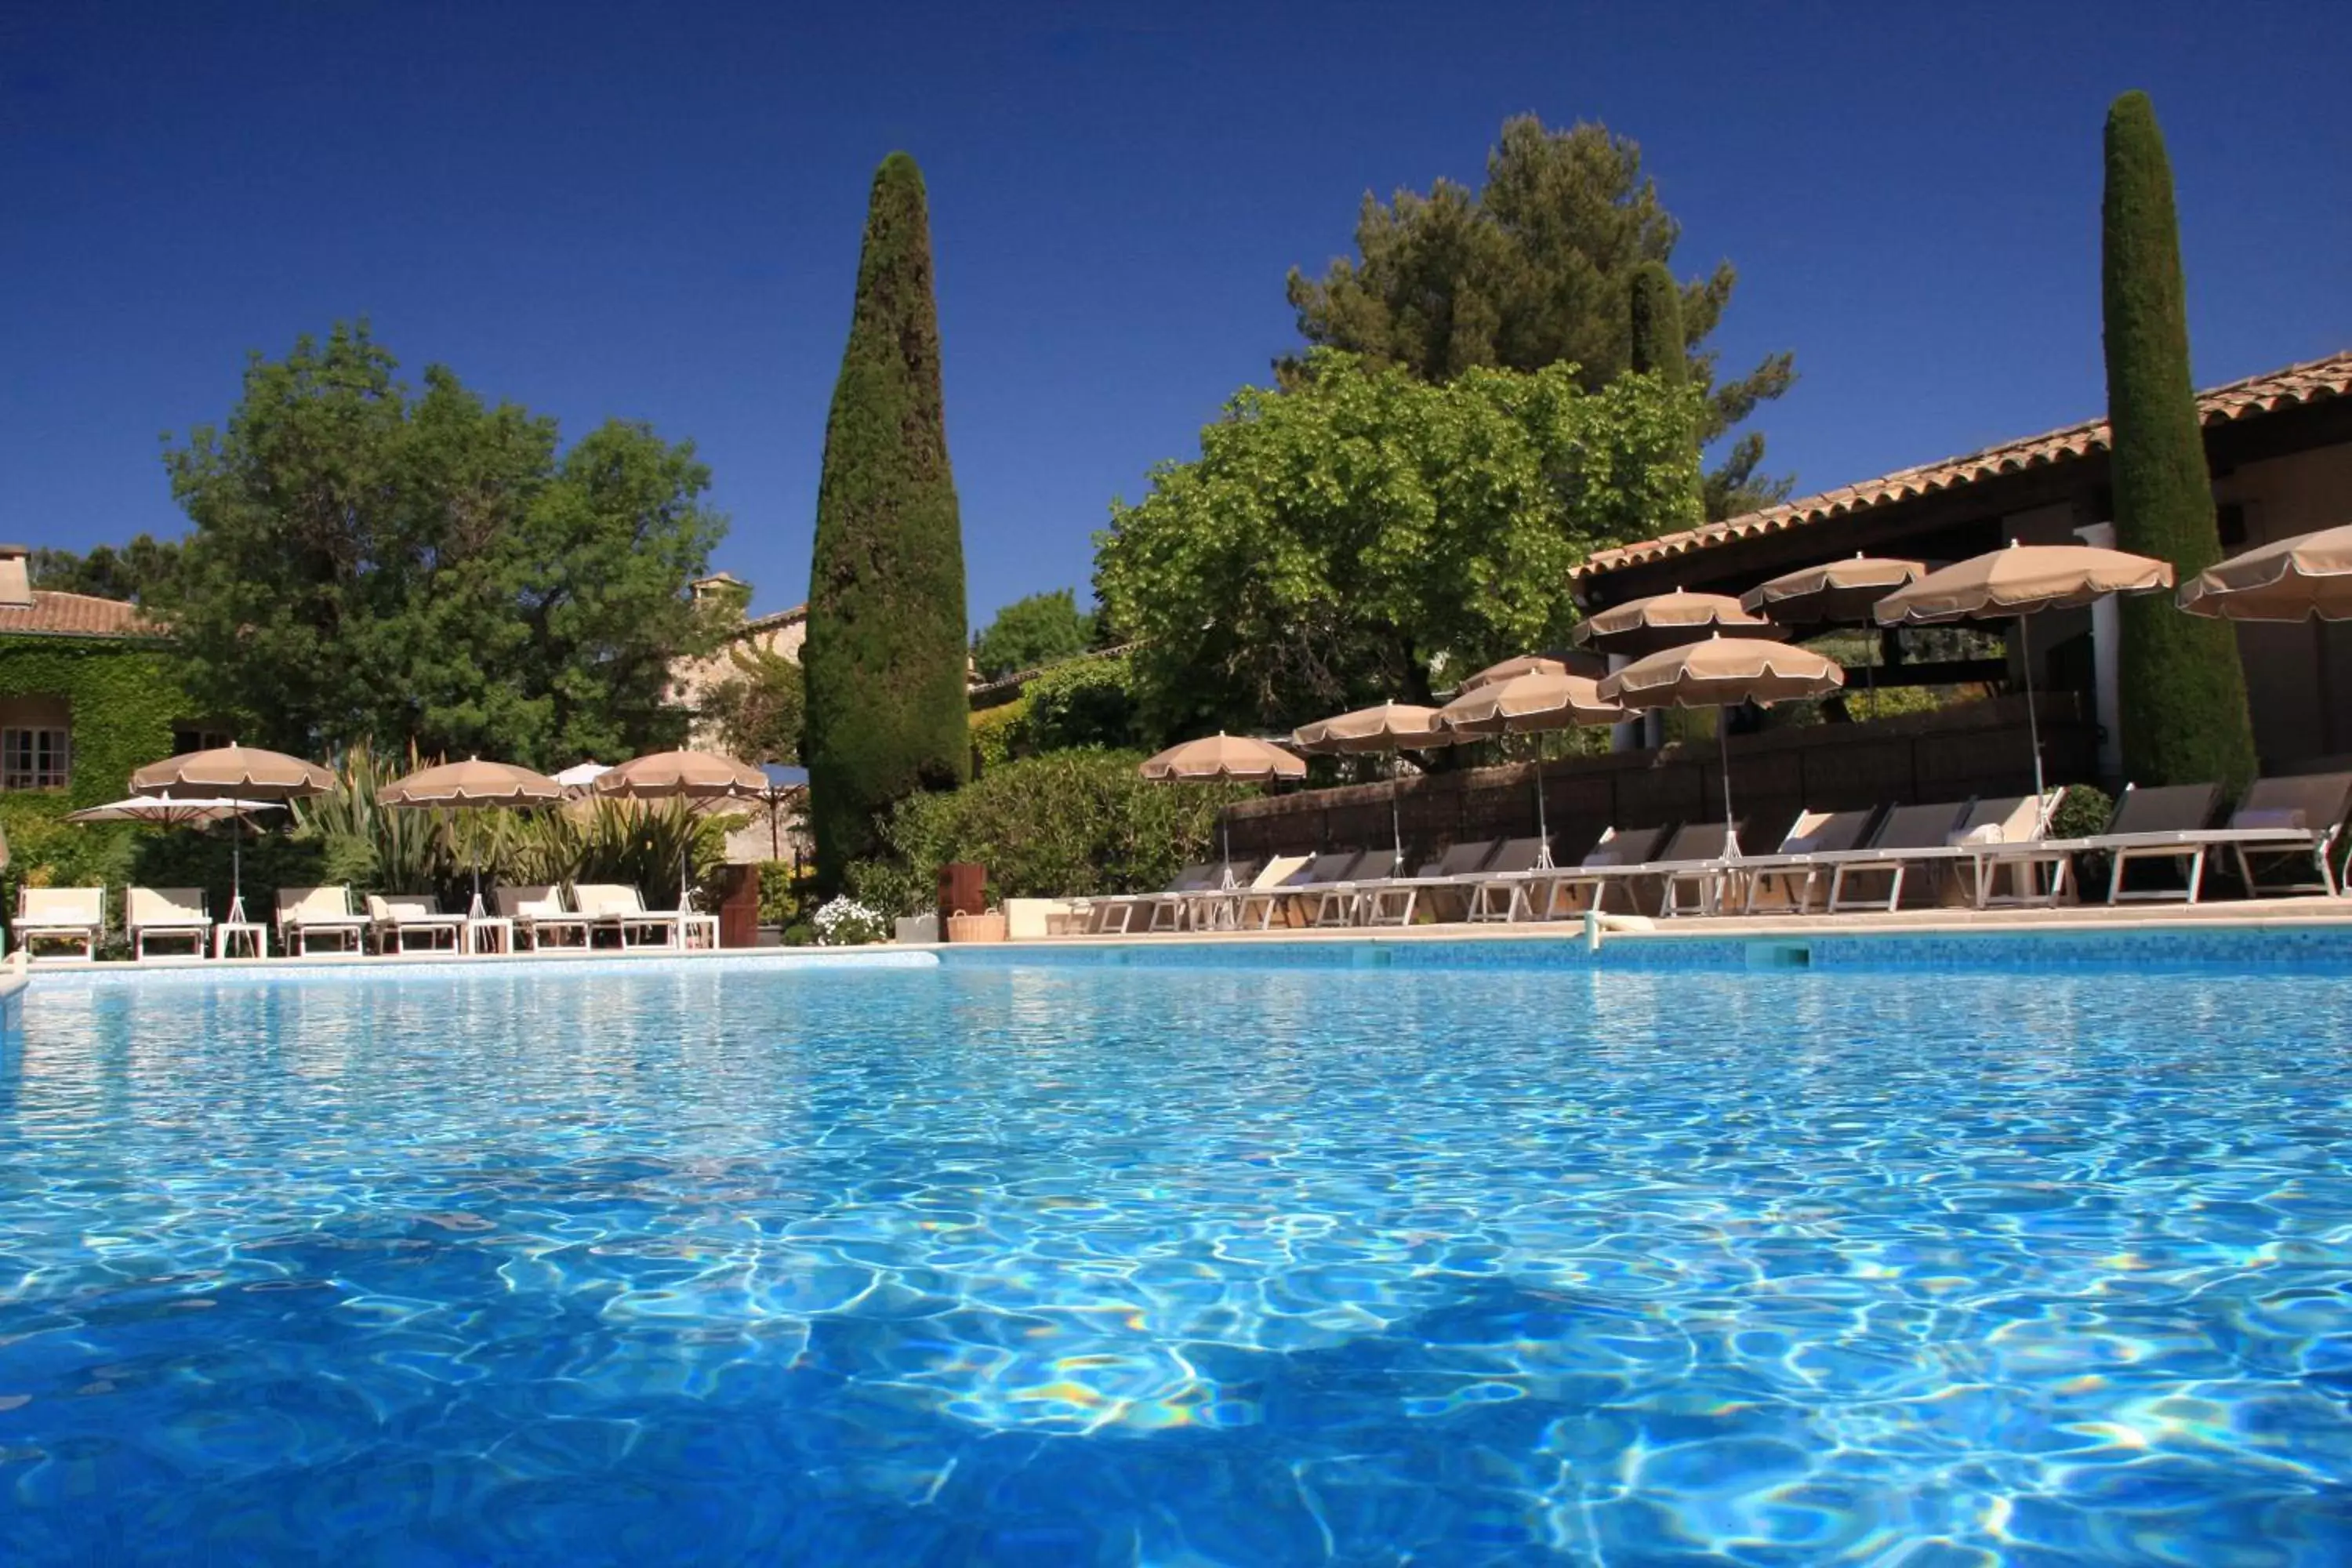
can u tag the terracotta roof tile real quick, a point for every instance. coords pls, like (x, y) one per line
(2297, 384)
(75, 615)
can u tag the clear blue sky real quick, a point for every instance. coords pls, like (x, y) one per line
(653, 211)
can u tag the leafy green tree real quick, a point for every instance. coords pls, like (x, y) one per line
(885, 658)
(760, 708)
(140, 571)
(1534, 270)
(1333, 541)
(1032, 633)
(2184, 690)
(375, 565)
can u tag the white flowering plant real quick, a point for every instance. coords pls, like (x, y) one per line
(845, 922)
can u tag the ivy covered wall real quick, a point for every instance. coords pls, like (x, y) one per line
(124, 701)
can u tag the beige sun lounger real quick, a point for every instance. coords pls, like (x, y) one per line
(1322, 884)
(2291, 821)
(1257, 903)
(620, 909)
(540, 917)
(1393, 902)
(307, 912)
(1113, 915)
(1790, 874)
(395, 918)
(1198, 907)
(74, 916)
(165, 915)
(1614, 862)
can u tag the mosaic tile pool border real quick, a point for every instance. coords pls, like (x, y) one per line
(2312, 949)
(523, 967)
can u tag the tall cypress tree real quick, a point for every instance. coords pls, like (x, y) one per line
(2184, 692)
(885, 656)
(1655, 303)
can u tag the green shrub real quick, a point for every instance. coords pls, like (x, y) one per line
(2084, 814)
(1082, 702)
(784, 891)
(1048, 827)
(800, 935)
(996, 732)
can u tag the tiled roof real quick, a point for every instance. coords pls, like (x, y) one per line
(75, 615)
(2298, 384)
(769, 622)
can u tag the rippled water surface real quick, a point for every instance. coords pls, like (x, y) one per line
(724, 1265)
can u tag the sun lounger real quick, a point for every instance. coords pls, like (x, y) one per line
(1791, 873)
(396, 919)
(2154, 824)
(2017, 847)
(307, 912)
(1698, 861)
(1394, 900)
(1200, 907)
(166, 914)
(74, 916)
(621, 909)
(1256, 904)
(1114, 914)
(1612, 863)
(1344, 902)
(1499, 891)
(1325, 883)
(1988, 835)
(2292, 822)
(540, 917)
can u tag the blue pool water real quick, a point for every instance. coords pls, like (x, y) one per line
(1232, 1266)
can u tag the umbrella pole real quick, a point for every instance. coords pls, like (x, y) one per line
(1396, 822)
(237, 873)
(1226, 834)
(2032, 721)
(1543, 828)
(1723, 761)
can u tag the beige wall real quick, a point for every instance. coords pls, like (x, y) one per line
(691, 681)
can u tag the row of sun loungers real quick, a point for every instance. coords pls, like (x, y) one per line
(157, 920)
(1984, 853)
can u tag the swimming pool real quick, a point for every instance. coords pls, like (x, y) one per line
(1234, 1263)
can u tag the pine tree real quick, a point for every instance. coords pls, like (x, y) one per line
(2184, 692)
(1655, 301)
(885, 656)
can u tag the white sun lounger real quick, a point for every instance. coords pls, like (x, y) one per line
(74, 916)
(398, 917)
(1988, 835)
(1498, 891)
(1393, 901)
(621, 909)
(165, 915)
(307, 912)
(539, 915)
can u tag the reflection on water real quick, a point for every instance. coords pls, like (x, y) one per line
(699, 1263)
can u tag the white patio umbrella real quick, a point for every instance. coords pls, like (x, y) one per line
(167, 810)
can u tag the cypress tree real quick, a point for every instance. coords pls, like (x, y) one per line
(1655, 303)
(885, 656)
(2184, 692)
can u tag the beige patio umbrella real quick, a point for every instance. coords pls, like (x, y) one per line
(1723, 672)
(238, 772)
(2308, 577)
(2017, 584)
(1222, 759)
(1834, 593)
(1390, 727)
(1525, 663)
(682, 776)
(245, 772)
(1639, 627)
(472, 785)
(1527, 704)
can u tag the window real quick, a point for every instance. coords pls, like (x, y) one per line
(186, 738)
(35, 758)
